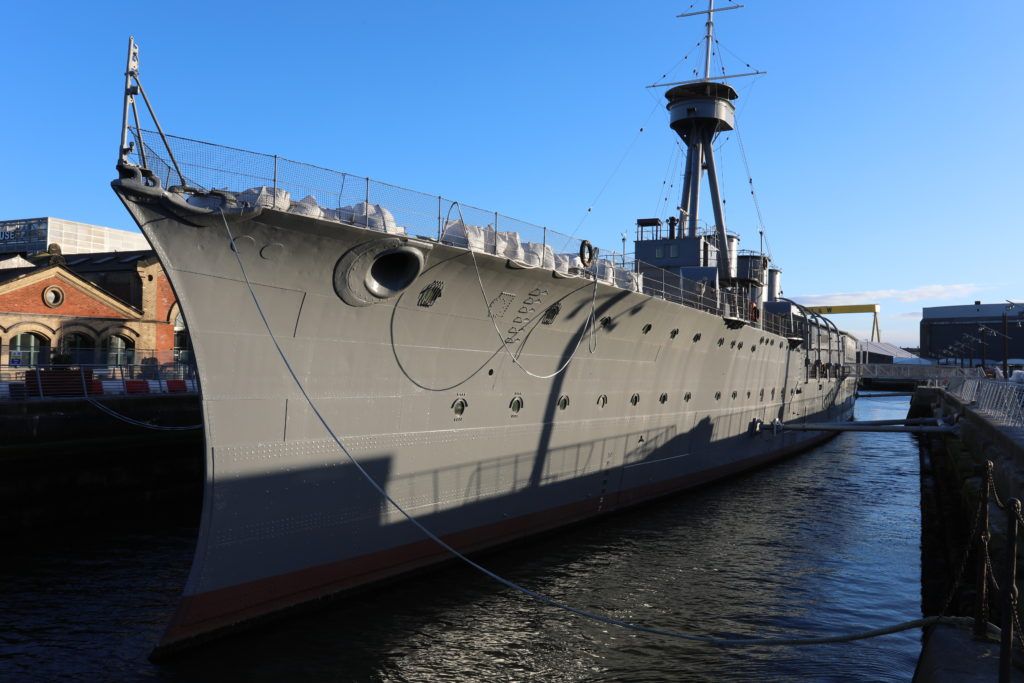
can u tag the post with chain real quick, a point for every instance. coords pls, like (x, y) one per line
(981, 595)
(1009, 592)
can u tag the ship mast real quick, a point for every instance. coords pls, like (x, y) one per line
(699, 110)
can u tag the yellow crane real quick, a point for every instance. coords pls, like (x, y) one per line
(876, 331)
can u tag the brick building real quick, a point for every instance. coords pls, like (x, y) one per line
(106, 308)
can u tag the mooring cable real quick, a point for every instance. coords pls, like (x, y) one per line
(590, 322)
(139, 423)
(541, 597)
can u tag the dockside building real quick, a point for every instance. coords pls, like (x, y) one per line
(94, 295)
(968, 334)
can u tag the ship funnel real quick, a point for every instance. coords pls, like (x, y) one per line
(774, 284)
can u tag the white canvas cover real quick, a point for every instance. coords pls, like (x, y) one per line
(307, 206)
(562, 263)
(374, 217)
(267, 197)
(206, 201)
(509, 246)
(605, 271)
(467, 236)
(539, 255)
(626, 279)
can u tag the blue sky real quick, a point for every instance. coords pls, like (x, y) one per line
(883, 142)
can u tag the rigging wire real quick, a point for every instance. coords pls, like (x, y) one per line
(753, 192)
(666, 187)
(607, 182)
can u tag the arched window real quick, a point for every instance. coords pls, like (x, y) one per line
(79, 347)
(29, 349)
(118, 350)
(182, 344)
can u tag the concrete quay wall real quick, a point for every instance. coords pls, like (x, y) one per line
(65, 462)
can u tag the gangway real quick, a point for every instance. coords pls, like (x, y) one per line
(923, 374)
(922, 425)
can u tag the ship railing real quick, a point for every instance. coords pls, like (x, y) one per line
(661, 232)
(275, 182)
(53, 381)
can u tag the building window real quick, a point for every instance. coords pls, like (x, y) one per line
(53, 296)
(673, 251)
(118, 350)
(182, 344)
(659, 252)
(29, 350)
(79, 347)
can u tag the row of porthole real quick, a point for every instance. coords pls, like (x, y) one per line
(607, 321)
(460, 404)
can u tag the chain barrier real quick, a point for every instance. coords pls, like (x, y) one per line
(963, 561)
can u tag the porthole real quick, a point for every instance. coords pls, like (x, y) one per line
(748, 394)
(673, 334)
(721, 341)
(635, 399)
(516, 405)
(663, 398)
(762, 394)
(740, 345)
(687, 396)
(696, 337)
(53, 296)
(735, 394)
(606, 321)
(646, 328)
(732, 344)
(459, 406)
(718, 395)
(563, 402)
(602, 400)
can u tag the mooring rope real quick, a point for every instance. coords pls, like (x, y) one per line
(138, 423)
(541, 597)
(590, 322)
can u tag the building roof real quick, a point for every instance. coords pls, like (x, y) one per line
(8, 274)
(972, 311)
(106, 261)
(883, 349)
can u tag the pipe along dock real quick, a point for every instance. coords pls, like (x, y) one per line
(908, 426)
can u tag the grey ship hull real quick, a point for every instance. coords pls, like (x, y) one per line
(287, 519)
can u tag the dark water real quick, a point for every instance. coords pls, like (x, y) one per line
(826, 542)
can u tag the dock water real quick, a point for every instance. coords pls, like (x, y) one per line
(826, 542)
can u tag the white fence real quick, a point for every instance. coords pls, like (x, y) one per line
(1000, 402)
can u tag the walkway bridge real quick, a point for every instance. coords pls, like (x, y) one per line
(939, 375)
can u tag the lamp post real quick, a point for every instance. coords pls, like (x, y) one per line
(981, 343)
(1006, 348)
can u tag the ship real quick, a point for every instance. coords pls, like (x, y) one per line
(376, 363)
